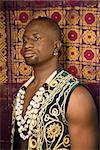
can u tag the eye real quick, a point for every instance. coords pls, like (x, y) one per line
(24, 40)
(36, 38)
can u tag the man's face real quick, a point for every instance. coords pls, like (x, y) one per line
(38, 43)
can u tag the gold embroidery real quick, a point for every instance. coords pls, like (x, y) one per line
(51, 132)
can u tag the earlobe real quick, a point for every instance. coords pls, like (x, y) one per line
(55, 52)
(57, 47)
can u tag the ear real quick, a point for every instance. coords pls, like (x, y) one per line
(57, 45)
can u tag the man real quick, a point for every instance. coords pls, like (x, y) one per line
(52, 109)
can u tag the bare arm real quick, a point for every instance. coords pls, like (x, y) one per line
(82, 118)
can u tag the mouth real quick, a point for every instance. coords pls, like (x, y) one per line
(30, 57)
(28, 54)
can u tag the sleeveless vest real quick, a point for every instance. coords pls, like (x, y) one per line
(51, 132)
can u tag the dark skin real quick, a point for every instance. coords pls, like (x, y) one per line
(39, 45)
(38, 52)
(82, 118)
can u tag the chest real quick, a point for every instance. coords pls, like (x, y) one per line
(30, 92)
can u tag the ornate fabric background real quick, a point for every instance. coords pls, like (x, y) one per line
(80, 24)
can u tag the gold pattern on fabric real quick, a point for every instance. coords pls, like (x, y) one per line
(81, 42)
(51, 130)
(3, 49)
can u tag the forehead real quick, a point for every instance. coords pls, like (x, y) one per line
(39, 27)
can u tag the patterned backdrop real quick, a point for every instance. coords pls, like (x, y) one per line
(80, 25)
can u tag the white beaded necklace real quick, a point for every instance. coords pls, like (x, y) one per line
(28, 122)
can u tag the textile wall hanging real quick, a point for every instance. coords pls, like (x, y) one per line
(80, 25)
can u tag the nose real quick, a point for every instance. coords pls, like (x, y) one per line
(28, 44)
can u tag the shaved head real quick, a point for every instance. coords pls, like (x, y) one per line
(50, 22)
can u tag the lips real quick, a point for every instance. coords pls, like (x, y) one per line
(29, 54)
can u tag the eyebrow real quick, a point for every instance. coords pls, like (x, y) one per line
(34, 34)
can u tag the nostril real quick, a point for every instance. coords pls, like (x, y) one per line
(28, 46)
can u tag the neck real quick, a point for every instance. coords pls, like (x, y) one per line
(43, 71)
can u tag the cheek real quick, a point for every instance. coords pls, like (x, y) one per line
(47, 52)
(47, 47)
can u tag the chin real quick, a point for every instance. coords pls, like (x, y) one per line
(28, 63)
(31, 62)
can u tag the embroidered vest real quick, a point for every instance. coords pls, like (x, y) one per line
(51, 132)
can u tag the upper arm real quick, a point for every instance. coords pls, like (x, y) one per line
(82, 117)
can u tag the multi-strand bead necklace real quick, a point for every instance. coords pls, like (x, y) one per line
(28, 122)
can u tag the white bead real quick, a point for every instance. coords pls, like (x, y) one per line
(18, 99)
(17, 108)
(18, 94)
(26, 125)
(18, 123)
(39, 99)
(18, 117)
(23, 121)
(22, 101)
(18, 103)
(27, 136)
(25, 117)
(25, 129)
(19, 130)
(27, 112)
(32, 110)
(21, 127)
(41, 89)
(39, 93)
(37, 105)
(29, 132)
(35, 97)
(18, 113)
(31, 127)
(29, 107)
(30, 116)
(34, 116)
(32, 103)
(28, 121)
(35, 111)
(21, 106)
(22, 136)
(32, 122)
(22, 97)
(21, 91)
(34, 106)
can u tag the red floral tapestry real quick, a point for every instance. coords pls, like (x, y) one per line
(80, 25)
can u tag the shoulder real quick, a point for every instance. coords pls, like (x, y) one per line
(81, 105)
(82, 120)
